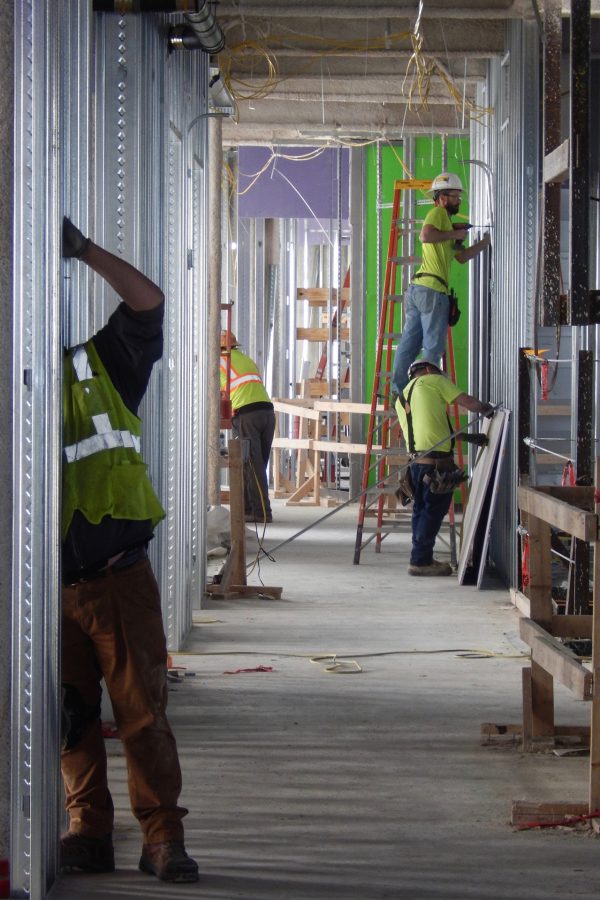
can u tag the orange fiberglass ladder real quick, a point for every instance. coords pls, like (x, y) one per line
(384, 460)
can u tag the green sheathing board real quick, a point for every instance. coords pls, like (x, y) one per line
(428, 164)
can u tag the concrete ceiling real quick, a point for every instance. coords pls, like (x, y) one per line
(309, 72)
(305, 72)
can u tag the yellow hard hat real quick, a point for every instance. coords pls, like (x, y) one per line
(228, 339)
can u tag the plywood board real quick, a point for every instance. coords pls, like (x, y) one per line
(477, 514)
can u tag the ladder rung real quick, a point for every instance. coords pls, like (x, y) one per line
(395, 298)
(390, 529)
(405, 260)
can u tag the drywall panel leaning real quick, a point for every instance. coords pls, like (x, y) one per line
(482, 498)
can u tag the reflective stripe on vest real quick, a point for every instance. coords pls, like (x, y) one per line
(237, 380)
(245, 379)
(106, 437)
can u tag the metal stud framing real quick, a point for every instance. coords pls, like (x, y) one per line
(97, 99)
(508, 148)
(37, 361)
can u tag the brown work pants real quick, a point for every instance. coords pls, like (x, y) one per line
(112, 628)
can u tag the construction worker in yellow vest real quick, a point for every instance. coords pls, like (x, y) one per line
(432, 474)
(112, 626)
(426, 302)
(254, 420)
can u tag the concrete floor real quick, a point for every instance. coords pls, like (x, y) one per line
(307, 784)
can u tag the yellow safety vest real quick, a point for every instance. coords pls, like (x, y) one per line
(246, 385)
(103, 471)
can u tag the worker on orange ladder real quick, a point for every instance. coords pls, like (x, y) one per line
(253, 419)
(426, 302)
(432, 478)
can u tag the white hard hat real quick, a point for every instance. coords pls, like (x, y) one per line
(421, 364)
(445, 181)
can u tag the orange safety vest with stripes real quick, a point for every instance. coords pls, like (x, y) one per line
(246, 385)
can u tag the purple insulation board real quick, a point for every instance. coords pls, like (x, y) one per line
(292, 188)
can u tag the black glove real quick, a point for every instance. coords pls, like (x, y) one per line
(479, 440)
(73, 241)
(489, 411)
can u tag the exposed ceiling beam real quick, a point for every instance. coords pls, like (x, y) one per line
(517, 9)
(342, 119)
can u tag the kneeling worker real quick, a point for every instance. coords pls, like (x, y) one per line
(253, 419)
(422, 412)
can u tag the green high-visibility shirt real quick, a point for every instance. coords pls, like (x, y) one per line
(437, 258)
(428, 407)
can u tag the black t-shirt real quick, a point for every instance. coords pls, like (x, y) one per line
(128, 345)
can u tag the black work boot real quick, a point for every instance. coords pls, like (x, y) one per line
(90, 854)
(168, 861)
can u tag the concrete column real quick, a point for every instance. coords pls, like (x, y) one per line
(215, 169)
(6, 407)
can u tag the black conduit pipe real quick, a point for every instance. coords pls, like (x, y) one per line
(200, 31)
(123, 7)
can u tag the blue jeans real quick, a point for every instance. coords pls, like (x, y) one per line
(425, 327)
(428, 514)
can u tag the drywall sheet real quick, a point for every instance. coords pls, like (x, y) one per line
(482, 498)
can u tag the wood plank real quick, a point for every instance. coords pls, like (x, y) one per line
(524, 812)
(321, 334)
(234, 591)
(339, 447)
(346, 406)
(540, 570)
(553, 409)
(521, 601)
(556, 660)
(578, 496)
(292, 443)
(236, 512)
(320, 296)
(303, 409)
(561, 626)
(556, 164)
(572, 626)
(295, 402)
(582, 731)
(527, 707)
(318, 388)
(578, 522)
(301, 492)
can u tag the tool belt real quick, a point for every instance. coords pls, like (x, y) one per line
(446, 476)
(104, 567)
(432, 460)
(431, 275)
(406, 489)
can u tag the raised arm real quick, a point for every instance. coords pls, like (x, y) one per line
(467, 401)
(130, 284)
(467, 253)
